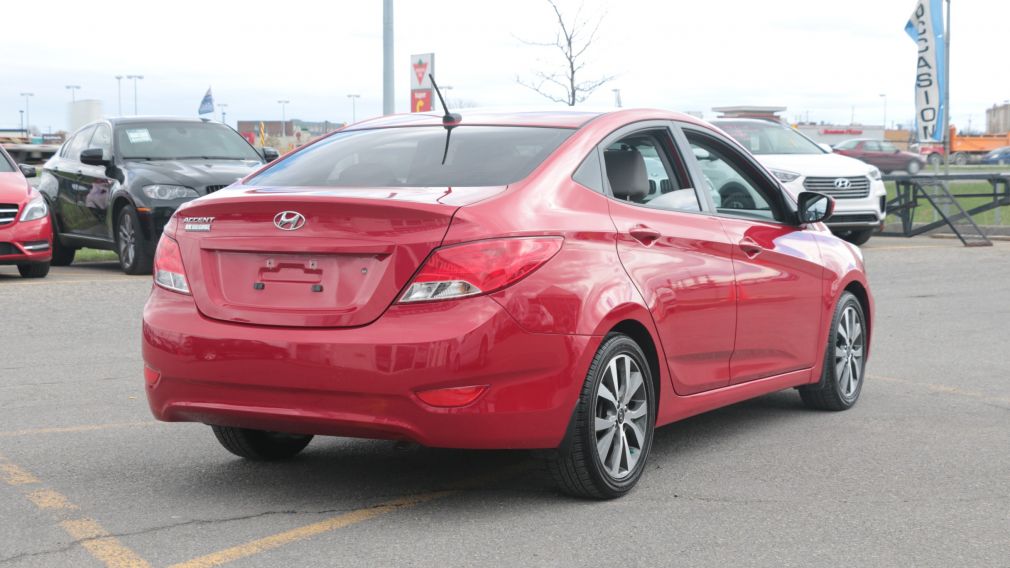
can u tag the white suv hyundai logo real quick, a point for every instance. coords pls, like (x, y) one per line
(843, 183)
(289, 220)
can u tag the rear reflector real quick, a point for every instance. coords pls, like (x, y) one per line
(479, 267)
(451, 397)
(168, 270)
(151, 376)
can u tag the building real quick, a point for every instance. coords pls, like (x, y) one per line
(997, 119)
(747, 111)
(276, 128)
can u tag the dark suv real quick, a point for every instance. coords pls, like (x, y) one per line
(115, 183)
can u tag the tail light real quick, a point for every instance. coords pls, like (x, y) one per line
(168, 270)
(479, 267)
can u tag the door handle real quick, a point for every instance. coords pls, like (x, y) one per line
(644, 234)
(750, 248)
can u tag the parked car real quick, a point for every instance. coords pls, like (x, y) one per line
(803, 165)
(519, 284)
(884, 155)
(115, 183)
(999, 156)
(25, 233)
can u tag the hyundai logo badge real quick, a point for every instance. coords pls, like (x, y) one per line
(289, 220)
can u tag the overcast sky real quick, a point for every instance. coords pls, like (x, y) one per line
(832, 60)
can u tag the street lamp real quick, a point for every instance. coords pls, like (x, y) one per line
(884, 96)
(284, 120)
(354, 112)
(22, 111)
(119, 90)
(135, 79)
(73, 89)
(223, 106)
(28, 115)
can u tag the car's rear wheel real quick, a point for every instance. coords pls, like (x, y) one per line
(131, 245)
(913, 167)
(33, 269)
(844, 359)
(613, 424)
(260, 445)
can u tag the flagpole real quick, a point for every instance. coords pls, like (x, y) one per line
(946, 95)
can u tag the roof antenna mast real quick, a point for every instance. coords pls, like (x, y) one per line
(450, 120)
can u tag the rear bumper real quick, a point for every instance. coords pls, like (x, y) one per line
(361, 382)
(26, 242)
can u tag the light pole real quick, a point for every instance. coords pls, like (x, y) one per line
(617, 97)
(284, 119)
(388, 102)
(73, 90)
(223, 106)
(22, 112)
(28, 115)
(119, 91)
(884, 96)
(354, 112)
(135, 79)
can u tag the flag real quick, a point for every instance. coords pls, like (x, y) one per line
(925, 27)
(207, 104)
(263, 134)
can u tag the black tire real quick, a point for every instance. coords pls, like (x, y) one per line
(576, 466)
(857, 237)
(960, 159)
(62, 254)
(913, 167)
(33, 269)
(259, 445)
(935, 159)
(131, 245)
(832, 392)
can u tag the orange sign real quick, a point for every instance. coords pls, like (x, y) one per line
(420, 100)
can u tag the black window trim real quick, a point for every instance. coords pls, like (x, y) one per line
(758, 174)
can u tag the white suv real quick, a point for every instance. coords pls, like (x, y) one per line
(801, 164)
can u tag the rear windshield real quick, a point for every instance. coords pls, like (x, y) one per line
(412, 157)
(182, 141)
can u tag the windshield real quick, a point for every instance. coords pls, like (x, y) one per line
(6, 166)
(412, 157)
(182, 140)
(769, 138)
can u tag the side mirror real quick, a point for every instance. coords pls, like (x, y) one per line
(93, 157)
(814, 207)
(826, 147)
(270, 154)
(27, 171)
(702, 154)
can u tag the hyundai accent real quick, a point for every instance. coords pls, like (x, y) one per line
(560, 280)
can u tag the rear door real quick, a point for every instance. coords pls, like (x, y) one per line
(776, 263)
(675, 252)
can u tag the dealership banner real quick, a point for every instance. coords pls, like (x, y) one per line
(925, 27)
(207, 104)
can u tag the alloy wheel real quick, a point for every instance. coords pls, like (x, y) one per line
(621, 416)
(127, 239)
(850, 342)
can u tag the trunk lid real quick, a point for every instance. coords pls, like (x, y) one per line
(343, 267)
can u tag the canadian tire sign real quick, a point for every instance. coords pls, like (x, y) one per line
(422, 66)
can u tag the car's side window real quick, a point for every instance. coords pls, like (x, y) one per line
(734, 188)
(589, 174)
(643, 168)
(872, 146)
(102, 140)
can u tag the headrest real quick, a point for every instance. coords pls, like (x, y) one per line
(626, 171)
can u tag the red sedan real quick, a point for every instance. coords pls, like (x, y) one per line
(26, 236)
(563, 279)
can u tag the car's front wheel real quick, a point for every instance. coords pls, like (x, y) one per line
(131, 245)
(260, 445)
(613, 424)
(33, 269)
(844, 359)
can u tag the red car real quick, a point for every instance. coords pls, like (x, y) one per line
(562, 279)
(884, 155)
(26, 236)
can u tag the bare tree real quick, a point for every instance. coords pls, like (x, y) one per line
(573, 39)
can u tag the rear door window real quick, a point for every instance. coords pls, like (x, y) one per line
(419, 156)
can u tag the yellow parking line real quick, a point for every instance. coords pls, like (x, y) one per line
(49, 499)
(73, 429)
(104, 547)
(307, 531)
(13, 474)
(946, 389)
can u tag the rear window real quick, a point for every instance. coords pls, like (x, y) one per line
(412, 157)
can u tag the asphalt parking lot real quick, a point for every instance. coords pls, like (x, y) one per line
(918, 474)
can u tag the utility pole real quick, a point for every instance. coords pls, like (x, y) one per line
(73, 89)
(354, 113)
(284, 120)
(884, 96)
(388, 92)
(617, 97)
(946, 95)
(22, 112)
(28, 115)
(119, 91)
(224, 114)
(135, 79)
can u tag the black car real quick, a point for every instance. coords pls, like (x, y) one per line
(116, 182)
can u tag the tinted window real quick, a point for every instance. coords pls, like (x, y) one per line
(734, 190)
(102, 139)
(768, 137)
(589, 173)
(182, 140)
(648, 153)
(847, 145)
(78, 144)
(412, 157)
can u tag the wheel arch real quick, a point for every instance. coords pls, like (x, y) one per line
(118, 204)
(640, 334)
(857, 289)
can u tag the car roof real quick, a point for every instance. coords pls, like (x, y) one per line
(762, 121)
(150, 119)
(553, 117)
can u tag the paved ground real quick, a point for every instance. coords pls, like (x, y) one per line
(918, 474)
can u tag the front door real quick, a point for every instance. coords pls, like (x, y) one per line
(676, 253)
(72, 193)
(777, 264)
